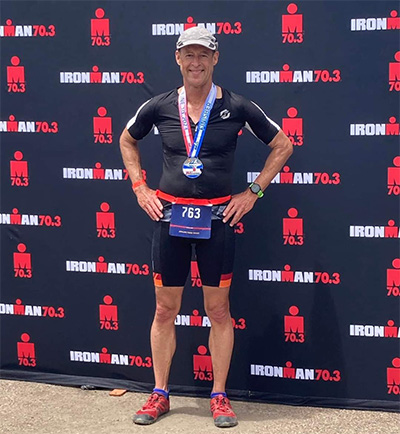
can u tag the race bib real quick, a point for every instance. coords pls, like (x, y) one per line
(190, 221)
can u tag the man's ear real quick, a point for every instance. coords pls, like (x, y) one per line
(178, 57)
(215, 57)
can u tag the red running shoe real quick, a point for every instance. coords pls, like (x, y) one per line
(221, 409)
(155, 406)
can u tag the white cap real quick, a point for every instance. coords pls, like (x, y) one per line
(199, 36)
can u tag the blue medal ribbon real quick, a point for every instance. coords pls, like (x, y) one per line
(193, 146)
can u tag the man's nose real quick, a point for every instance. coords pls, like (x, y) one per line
(196, 60)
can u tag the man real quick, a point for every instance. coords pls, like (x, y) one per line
(194, 206)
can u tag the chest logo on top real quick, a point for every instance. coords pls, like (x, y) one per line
(225, 114)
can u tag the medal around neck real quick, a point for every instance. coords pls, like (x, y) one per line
(192, 167)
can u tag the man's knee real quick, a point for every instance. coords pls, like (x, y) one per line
(218, 313)
(168, 303)
(166, 312)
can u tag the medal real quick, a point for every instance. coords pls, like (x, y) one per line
(192, 167)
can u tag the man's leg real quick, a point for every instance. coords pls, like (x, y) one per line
(163, 341)
(216, 304)
(171, 263)
(215, 260)
(163, 344)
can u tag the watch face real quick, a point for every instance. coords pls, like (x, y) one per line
(255, 188)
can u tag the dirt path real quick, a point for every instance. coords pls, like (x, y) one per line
(46, 409)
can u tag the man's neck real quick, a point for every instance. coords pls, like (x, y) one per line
(197, 95)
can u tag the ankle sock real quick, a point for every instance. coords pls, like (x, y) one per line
(213, 395)
(164, 393)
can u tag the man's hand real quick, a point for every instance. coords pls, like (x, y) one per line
(146, 197)
(242, 203)
(149, 202)
(239, 205)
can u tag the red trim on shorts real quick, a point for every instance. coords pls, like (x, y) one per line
(190, 201)
(226, 280)
(157, 279)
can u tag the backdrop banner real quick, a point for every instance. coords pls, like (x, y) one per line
(316, 284)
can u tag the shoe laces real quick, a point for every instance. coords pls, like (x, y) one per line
(222, 404)
(152, 401)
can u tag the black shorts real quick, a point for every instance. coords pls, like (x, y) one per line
(171, 256)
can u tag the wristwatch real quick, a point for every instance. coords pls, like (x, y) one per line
(256, 189)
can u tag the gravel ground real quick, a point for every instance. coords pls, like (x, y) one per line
(47, 409)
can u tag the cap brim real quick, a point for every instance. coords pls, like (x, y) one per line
(203, 43)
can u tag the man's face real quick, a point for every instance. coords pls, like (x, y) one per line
(197, 64)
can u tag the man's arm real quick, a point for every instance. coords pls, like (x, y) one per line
(146, 197)
(242, 203)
